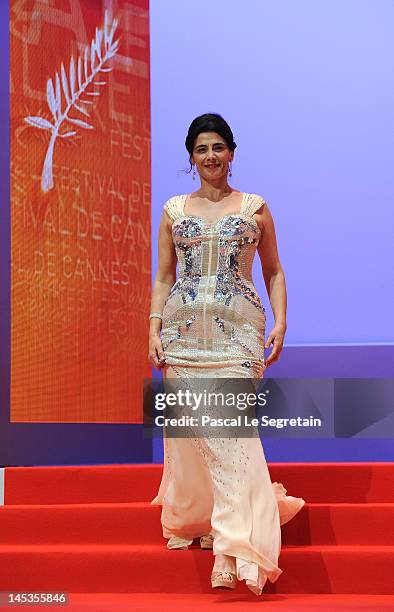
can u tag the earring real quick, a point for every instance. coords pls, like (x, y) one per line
(194, 173)
(229, 169)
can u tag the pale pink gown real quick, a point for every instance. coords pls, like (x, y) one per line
(214, 327)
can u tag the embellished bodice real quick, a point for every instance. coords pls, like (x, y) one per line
(224, 249)
(213, 315)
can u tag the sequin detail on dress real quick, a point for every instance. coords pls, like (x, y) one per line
(215, 281)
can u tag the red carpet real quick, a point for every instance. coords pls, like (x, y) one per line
(234, 602)
(91, 529)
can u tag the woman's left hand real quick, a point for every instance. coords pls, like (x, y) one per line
(276, 337)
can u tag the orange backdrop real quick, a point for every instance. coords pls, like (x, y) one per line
(80, 209)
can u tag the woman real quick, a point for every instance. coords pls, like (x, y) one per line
(212, 325)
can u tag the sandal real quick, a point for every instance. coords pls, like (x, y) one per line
(178, 543)
(175, 542)
(226, 580)
(206, 541)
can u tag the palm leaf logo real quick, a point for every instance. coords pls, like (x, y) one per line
(74, 85)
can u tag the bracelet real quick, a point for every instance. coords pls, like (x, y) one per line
(155, 314)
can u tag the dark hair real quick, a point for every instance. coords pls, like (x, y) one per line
(210, 122)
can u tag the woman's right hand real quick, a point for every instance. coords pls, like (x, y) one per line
(156, 352)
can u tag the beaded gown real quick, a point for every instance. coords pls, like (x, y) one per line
(214, 327)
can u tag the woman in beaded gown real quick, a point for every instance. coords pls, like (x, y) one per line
(210, 324)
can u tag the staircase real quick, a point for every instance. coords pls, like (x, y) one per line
(91, 529)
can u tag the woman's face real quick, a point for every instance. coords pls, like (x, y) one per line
(211, 156)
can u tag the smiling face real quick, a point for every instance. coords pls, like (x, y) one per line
(211, 156)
